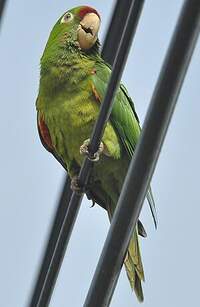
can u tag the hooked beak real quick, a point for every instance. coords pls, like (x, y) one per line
(88, 31)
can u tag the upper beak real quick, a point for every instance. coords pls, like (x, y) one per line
(88, 30)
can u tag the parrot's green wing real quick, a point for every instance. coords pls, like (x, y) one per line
(123, 118)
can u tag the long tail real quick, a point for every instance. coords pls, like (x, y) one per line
(133, 262)
(134, 267)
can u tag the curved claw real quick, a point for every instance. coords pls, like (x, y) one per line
(141, 229)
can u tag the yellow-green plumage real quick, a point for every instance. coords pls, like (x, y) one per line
(72, 85)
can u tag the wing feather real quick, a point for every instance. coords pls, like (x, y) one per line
(123, 117)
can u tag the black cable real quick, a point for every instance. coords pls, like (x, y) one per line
(143, 164)
(63, 204)
(2, 7)
(115, 30)
(69, 220)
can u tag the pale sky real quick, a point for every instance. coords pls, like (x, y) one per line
(31, 179)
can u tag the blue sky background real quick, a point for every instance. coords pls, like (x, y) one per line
(31, 179)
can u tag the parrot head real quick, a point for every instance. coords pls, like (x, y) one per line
(76, 28)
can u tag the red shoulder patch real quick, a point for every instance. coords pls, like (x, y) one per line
(86, 10)
(44, 133)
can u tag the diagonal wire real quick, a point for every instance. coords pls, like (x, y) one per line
(147, 152)
(115, 30)
(63, 203)
(55, 252)
(2, 7)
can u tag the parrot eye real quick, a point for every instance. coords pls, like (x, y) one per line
(67, 18)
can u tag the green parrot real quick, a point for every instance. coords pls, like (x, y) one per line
(73, 83)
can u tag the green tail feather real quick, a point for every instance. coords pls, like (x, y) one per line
(138, 289)
(134, 267)
(133, 262)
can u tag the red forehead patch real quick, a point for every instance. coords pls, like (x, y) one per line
(86, 10)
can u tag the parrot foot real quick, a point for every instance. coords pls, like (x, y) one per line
(75, 185)
(84, 150)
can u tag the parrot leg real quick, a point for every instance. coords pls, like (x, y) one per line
(80, 189)
(84, 150)
(75, 185)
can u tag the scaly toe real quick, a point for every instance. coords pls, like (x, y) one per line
(84, 147)
(85, 151)
(75, 185)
